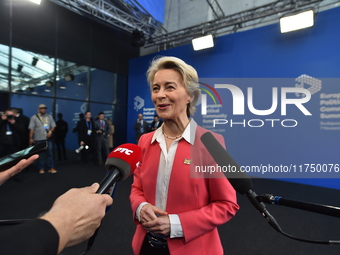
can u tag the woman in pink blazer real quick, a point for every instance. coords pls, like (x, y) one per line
(176, 207)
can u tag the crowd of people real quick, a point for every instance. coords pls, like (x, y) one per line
(18, 132)
(94, 137)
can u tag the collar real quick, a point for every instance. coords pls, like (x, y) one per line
(188, 134)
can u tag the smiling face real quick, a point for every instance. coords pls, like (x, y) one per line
(169, 95)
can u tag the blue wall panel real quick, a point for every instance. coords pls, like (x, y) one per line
(265, 53)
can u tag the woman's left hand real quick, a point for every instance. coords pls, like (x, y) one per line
(160, 225)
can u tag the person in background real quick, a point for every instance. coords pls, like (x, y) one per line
(102, 135)
(11, 133)
(157, 123)
(41, 128)
(112, 131)
(141, 127)
(60, 227)
(87, 138)
(175, 213)
(60, 135)
(76, 128)
(19, 116)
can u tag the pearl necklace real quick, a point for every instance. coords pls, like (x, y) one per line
(170, 137)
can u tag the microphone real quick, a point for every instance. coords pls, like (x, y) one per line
(120, 164)
(238, 179)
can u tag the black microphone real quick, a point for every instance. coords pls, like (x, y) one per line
(120, 164)
(243, 184)
(237, 178)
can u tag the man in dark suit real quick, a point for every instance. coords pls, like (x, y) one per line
(60, 135)
(25, 121)
(76, 128)
(103, 131)
(156, 123)
(11, 131)
(141, 127)
(87, 138)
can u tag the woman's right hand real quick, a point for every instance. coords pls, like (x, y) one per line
(155, 220)
(149, 213)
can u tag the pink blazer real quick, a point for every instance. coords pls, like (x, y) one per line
(202, 204)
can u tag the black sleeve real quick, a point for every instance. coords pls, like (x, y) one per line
(136, 126)
(82, 130)
(36, 237)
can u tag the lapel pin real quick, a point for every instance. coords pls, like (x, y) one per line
(187, 161)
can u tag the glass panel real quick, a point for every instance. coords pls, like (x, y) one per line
(70, 109)
(32, 73)
(29, 104)
(71, 80)
(4, 55)
(107, 109)
(103, 86)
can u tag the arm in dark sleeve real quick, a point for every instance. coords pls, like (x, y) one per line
(136, 126)
(36, 237)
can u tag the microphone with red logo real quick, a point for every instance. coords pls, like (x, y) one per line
(120, 164)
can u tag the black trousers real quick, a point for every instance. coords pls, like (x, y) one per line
(91, 152)
(147, 249)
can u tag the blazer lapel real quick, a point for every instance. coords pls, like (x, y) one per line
(151, 171)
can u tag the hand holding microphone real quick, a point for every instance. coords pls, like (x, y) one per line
(120, 164)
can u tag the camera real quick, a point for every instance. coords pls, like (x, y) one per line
(81, 148)
(10, 117)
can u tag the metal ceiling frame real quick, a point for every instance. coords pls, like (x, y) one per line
(230, 23)
(216, 8)
(134, 16)
(138, 18)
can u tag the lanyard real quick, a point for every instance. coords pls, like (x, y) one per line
(89, 125)
(46, 119)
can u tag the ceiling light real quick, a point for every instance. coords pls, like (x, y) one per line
(138, 38)
(36, 1)
(49, 84)
(69, 77)
(203, 42)
(297, 21)
(20, 67)
(34, 61)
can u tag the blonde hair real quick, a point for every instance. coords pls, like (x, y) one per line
(188, 73)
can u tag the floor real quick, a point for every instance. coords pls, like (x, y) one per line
(246, 233)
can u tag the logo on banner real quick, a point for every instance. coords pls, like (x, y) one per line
(308, 82)
(204, 97)
(212, 114)
(138, 103)
(83, 107)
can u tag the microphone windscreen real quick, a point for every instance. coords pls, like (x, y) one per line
(238, 179)
(125, 158)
